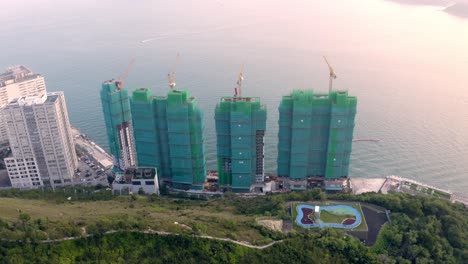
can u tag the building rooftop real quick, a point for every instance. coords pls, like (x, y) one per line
(34, 100)
(16, 74)
(237, 99)
(111, 81)
(136, 173)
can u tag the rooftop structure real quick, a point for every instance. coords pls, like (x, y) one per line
(118, 119)
(169, 136)
(15, 82)
(15, 74)
(135, 178)
(315, 136)
(240, 130)
(40, 136)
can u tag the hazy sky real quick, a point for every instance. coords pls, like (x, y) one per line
(457, 8)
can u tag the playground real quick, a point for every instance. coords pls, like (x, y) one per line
(336, 216)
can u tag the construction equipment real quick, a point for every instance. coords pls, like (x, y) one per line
(332, 75)
(171, 76)
(240, 78)
(122, 77)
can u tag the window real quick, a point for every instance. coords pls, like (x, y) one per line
(136, 183)
(149, 182)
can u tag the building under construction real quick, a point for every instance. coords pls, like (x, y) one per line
(240, 130)
(315, 137)
(169, 136)
(118, 119)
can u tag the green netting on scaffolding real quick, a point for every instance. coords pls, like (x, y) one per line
(169, 131)
(240, 128)
(146, 131)
(315, 134)
(185, 139)
(116, 110)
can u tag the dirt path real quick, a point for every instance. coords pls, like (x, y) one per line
(163, 233)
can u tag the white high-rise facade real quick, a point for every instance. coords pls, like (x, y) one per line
(41, 141)
(17, 81)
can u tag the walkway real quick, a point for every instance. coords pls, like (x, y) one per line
(163, 233)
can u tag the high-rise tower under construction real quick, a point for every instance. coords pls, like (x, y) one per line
(118, 119)
(240, 131)
(315, 136)
(169, 135)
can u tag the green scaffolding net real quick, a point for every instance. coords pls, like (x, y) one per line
(315, 134)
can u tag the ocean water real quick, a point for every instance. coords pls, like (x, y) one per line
(407, 64)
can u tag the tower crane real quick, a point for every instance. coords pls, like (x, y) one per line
(332, 75)
(240, 78)
(120, 81)
(171, 75)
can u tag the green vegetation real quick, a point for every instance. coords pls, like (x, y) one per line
(428, 191)
(440, 194)
(323, 247)
(423, 230)
(330, 217)
(52, 220)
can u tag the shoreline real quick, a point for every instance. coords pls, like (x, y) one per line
(401, 184)
(391, 182)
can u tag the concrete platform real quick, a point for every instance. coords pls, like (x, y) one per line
(363, 185)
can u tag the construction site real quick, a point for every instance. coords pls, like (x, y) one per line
(240, 130)
(167, 133)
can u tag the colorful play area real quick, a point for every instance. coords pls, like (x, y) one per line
(337, 216)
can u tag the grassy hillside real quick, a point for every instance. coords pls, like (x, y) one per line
(68, 218)
(422, 230)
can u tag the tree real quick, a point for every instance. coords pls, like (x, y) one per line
(24, 218)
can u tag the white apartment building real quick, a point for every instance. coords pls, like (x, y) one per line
(39, 132)
(17, 81)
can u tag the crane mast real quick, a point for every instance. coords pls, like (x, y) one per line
(332, 75)
(171, 75)
(120, 81)
(240, 78)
